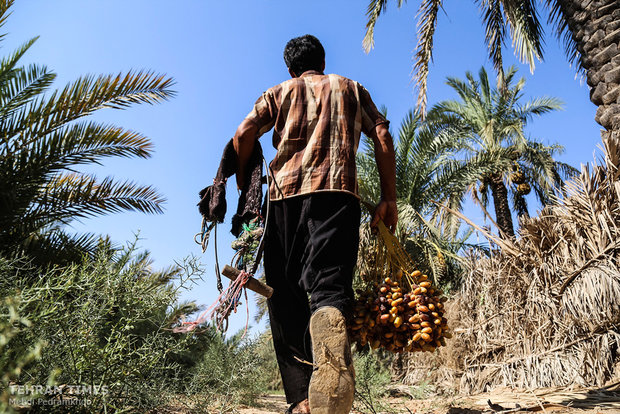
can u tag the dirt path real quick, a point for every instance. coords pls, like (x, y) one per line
(557, 401)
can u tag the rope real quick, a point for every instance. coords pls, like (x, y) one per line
(229, 299)
(217, 263)
(203, 234)
(202, 238)
(226, 303)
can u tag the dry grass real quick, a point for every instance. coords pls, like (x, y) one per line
(544, 310)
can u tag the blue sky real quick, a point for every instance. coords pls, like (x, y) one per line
(223, 55)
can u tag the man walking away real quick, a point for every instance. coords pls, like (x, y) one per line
(312, 237)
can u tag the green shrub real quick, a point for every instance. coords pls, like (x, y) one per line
(230, 373)
(372, 376)
(268, 362)
(12, 363)
(106, 322)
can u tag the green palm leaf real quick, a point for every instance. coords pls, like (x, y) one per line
(495, 30)
(82, 98)
(54, 245)
(7, 65)
(74, 196)
(4, 8)
(490, 124)
(22, 87)
(44, 141)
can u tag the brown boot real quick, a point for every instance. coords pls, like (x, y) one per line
(332, 386)
(301, 407)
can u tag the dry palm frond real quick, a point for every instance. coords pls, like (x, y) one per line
(545, 313)
(427, 15)
(525, 29)
(375, 8)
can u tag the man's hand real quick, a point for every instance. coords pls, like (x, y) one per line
(387, 212)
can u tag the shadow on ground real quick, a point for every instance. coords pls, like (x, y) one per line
(456, 410)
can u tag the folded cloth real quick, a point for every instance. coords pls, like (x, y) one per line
(212, 204)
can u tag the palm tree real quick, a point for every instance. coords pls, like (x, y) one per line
(588, 28)
(491, 121)
(427, 173)
(44, 138)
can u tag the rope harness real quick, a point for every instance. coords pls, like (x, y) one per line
(230, 298)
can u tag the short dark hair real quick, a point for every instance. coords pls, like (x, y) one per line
(304, 53)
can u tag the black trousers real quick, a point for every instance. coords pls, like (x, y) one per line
(311, 244)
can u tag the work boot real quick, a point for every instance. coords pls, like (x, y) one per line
(301, 407)
(332, 385)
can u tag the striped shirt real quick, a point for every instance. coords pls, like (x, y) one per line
(317, 121)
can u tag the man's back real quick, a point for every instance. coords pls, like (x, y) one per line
(311, 238)
(317, 121)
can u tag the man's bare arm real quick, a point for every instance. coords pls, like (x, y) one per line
(243, 141)
(386, 164)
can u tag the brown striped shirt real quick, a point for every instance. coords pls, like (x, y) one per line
(317, 121)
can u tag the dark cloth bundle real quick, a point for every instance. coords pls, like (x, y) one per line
(212, 203)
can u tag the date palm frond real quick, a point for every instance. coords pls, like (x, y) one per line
(44, 139)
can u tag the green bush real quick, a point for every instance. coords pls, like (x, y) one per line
(268, 362)
(372, 376)
(12, 363)
(230, 373)
(106, 322)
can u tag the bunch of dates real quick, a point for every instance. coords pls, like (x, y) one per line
(400, 316)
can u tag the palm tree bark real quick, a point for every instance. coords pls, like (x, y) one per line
(502, 209)
(521, 207)
(595, 27)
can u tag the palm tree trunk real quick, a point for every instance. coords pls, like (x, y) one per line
(521, 207)
(502, 209)
(595, 28)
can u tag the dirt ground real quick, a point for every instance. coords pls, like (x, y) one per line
(557, 401)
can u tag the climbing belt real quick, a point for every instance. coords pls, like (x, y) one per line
(230, 298)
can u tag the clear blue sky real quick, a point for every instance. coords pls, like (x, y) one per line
(223, 55)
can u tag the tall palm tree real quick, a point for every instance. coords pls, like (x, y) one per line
(44, 138)
(491, 120)
(588, 28)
